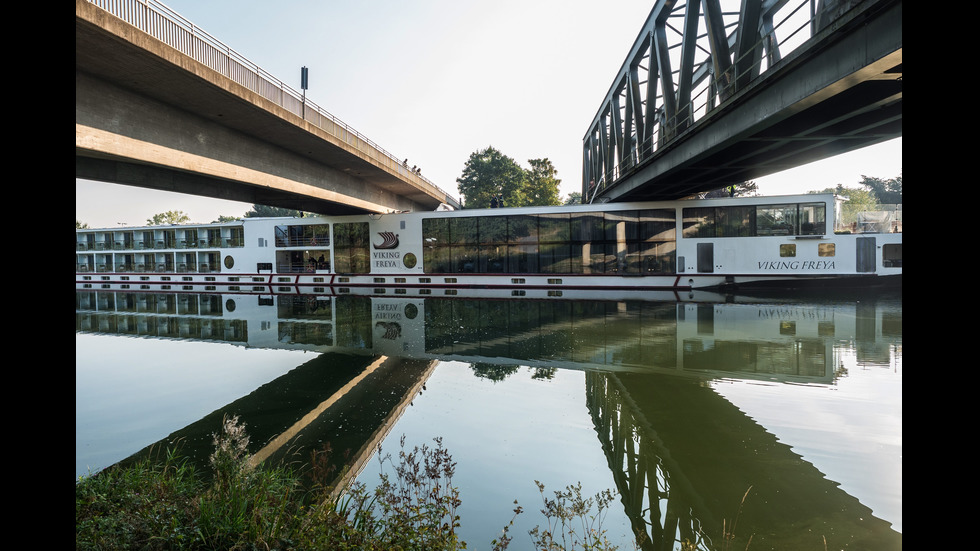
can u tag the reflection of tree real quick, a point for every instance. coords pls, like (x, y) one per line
(493, 372)
(544, 373)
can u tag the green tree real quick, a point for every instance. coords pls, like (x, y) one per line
(888, 192)
(542, 183)
(741, 190)
(488, 174)
(574, 198)
(79, 225)
(265, 211)
(856, 200)
(169, 217)
(223, 218)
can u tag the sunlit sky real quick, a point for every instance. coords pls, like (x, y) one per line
(436, 80)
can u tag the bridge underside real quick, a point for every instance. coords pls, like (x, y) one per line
(147, 115)
(134, 140)
(838, 96)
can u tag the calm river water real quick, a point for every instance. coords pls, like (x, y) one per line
(681, 406)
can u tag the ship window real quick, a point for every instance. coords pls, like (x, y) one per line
(826, 249)
(731, 221)
(303, 235)
(229, 262)
(891, 255)
(776, 220)
(788, 249)
(813, 219)
(351, 247)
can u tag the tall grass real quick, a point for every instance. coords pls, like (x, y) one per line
(163, 503)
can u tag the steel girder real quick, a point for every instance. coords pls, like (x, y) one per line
(688, 60)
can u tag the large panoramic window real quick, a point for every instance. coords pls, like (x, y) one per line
(751, 221)
(558, 243)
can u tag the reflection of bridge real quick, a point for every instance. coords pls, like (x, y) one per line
(683, 458)
(717, 92)
(339, 403)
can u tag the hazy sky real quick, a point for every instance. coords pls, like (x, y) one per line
(436, 80)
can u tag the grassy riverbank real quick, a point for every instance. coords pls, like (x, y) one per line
(165, 503)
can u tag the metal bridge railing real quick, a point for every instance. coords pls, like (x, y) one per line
(166, 25)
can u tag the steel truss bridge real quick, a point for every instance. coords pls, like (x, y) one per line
(718, 92)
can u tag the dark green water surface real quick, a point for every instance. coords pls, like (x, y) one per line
(682, 407)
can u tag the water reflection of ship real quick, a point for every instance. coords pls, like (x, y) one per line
(737, 338)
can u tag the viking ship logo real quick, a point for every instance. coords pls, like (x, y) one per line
(392, 330)
(389, 240)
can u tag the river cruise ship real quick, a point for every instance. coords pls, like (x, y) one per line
(730, 243)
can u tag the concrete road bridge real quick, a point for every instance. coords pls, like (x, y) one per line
(719, 92)
(161, 104)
